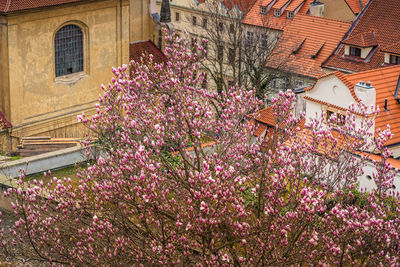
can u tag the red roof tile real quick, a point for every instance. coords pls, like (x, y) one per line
(355, 5)
(391, 48)
(243, 5)
(366, 39)
(380, 17)
(266, 116)
(136, 51)
(17, 5)
(385, 81)
(306, 43)
(268, 20)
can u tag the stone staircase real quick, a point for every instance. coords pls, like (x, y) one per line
(31, 146)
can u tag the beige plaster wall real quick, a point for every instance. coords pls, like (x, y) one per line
(40, 101)
(4, 85)
(338, 9)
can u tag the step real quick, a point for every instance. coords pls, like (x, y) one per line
(36, 138)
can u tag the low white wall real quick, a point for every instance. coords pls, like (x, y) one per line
(44, 162)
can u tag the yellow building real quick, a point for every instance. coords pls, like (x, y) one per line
(54, 57)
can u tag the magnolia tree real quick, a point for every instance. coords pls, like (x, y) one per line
(178, 183)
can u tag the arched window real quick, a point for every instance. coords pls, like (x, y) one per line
(68, 47)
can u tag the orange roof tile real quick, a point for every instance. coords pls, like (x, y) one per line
(136, 51)
(380, 17)
(391, 48)
(243, 5)
(268, 20)
(385, 81)
(266, 116)
(306, 43)
(365, 39)
(279, 4)
(17, 5)
(355, 5)
(294, 5)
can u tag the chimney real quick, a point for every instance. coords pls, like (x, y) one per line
(165, 14)
(317, 9)
(367, 94)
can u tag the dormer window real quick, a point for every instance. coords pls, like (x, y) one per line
(395, 60)
(277, 12)
(290, 14)
(263, 10)
(355, 51)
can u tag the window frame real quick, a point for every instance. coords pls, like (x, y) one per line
(290, 14)
(194, 20)
(277, 12)
(177, 16)
(396, 60)
(263, 10)
(76, 76)
(355, 51)
(249, 38)
(205, 21)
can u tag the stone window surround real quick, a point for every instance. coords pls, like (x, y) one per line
(73, 77)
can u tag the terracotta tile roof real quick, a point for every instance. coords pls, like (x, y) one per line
(306, 43)
(394, 163)
(243, 5)
(380, 17)
(136, 50)
(18, 5)
(294, 5)
(365, 39)
(391, 48)
(4, 123)
(268, 20)
(266, 116)
(279, 4)
(355, 5)
(385, 81)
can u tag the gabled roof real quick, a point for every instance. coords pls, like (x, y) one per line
(365, 39)
(268, 20)
(7, 6)
(380, 17)
(355, 5)
(385, 81)
(306, 43)
(136, 51)
(4, 123)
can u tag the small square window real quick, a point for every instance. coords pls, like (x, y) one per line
(355, 51)
(194, 20)
(177, 16)
(277, 12)
(290, 14)
(263, 10)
